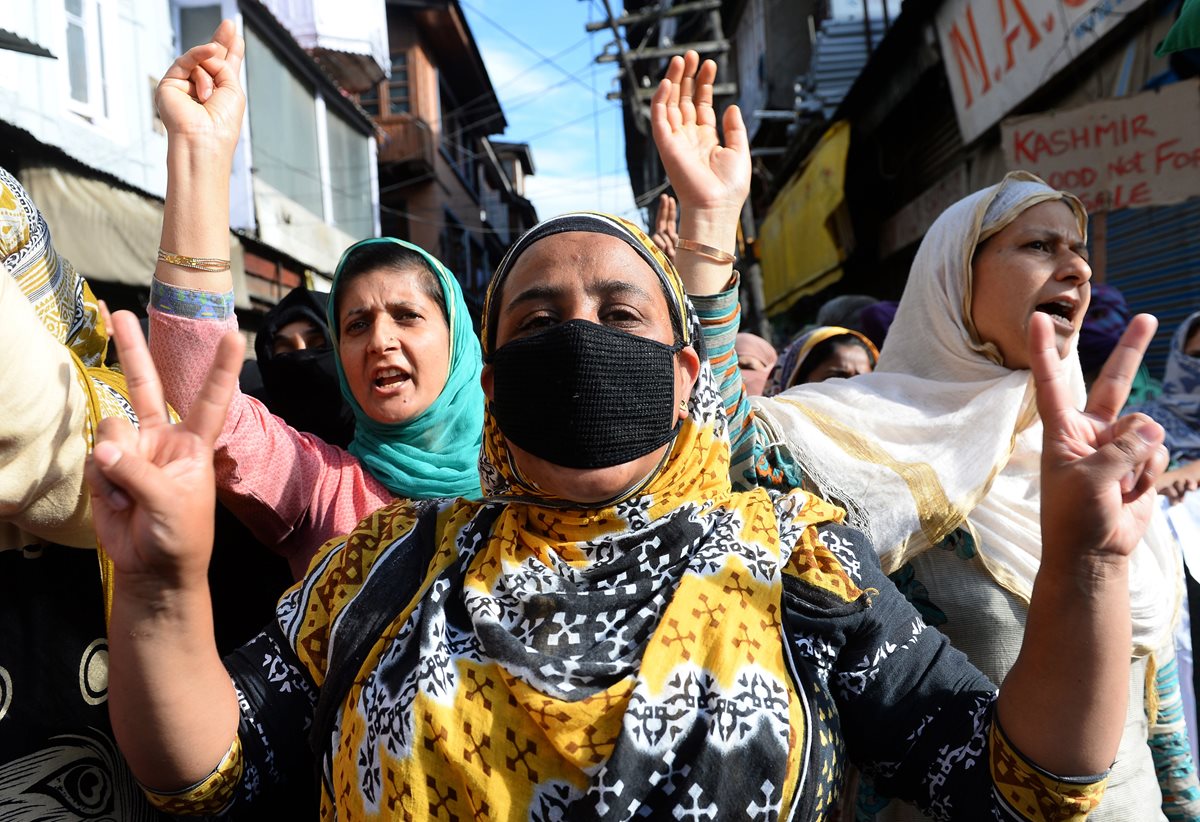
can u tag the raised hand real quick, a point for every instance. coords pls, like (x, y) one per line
(665, 235)
(1098, 468)
(153, 492)
(201, 93)
(704, 173)
(711, 180)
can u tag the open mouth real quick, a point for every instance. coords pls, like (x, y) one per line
(1061, 312)
(390, 377)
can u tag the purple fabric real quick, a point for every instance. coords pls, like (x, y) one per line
(877, 319)
(1105, 321)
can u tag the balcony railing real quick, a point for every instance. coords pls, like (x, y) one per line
(407, 144)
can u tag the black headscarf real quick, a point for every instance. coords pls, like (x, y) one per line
(302, 386)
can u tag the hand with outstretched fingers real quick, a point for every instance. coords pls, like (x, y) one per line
(1098, 468)
(1179, 482)
(201, 94)
(153, 491)
(665, 234)
(704, 173)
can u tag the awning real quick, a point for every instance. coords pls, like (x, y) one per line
(108, 233)
(10, 41)
(800, 249)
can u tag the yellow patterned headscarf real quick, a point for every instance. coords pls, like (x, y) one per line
(62, 299)
(783, 376)
(66, 307)
(700, 452)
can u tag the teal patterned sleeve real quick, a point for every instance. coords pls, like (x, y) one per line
(1171, 747)
(755, 460)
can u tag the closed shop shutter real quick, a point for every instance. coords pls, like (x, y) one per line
(1154, 259)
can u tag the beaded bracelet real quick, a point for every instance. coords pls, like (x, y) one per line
(212, 264)
(713, 253)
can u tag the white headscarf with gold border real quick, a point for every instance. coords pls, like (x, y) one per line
(942, 435)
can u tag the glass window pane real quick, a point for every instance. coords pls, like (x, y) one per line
(75, 7)
(369, 100)
(283, 127)
(100, 60)
(77, 69)
(350, 178)
(197, 24)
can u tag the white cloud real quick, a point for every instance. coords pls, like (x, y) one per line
(554, 193)
(514, 74)
(575, 135)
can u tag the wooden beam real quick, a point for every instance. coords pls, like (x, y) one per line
(641, 117)
(657, 14)
(704, 47)
(644, 94)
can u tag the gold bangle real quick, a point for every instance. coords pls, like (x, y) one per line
(212, 264)
(714, 254)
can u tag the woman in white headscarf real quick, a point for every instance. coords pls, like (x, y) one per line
(936, 454)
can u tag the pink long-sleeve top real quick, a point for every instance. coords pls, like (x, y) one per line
(292, 490)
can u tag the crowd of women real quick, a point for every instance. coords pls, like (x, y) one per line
(569, 568)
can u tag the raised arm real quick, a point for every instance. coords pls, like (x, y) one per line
(1063, 703)
(200, 100)
(710, 179)
(307, 490)
(172, 704)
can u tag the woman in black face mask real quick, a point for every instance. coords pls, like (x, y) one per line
(612, 632)
(295, 357)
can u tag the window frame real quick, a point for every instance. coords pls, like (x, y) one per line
(390, 83)
(95, 108)
(382, 100)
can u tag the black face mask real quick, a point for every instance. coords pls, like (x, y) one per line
(302, 388)
(581, 395)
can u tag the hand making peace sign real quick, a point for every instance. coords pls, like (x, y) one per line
(1098, 468)
(153, 492)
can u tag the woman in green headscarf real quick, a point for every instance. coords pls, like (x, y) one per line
(408, 361)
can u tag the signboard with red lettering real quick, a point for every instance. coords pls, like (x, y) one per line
(1127, 151)
(998, 52)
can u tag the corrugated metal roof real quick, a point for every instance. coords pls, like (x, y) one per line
(839, 54)
(1154, 258)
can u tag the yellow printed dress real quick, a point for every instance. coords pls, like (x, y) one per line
(687, 652)
(695, 681)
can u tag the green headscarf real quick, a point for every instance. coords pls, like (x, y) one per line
(436, 453)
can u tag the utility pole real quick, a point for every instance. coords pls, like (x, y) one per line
(641, 49)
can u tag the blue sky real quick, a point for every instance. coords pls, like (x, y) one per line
(541, 61)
